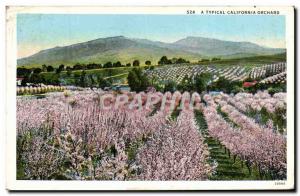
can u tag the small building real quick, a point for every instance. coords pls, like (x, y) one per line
(19, 81)
(249, 84)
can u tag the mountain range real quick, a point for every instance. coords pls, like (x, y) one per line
(126, 50)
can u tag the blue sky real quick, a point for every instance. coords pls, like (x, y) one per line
(41, 31)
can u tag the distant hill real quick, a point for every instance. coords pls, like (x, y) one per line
(215, 47)
(126, 50)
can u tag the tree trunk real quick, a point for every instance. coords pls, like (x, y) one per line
(249, 167)
(260, 172)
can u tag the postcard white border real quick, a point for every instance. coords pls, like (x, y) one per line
(11, 57)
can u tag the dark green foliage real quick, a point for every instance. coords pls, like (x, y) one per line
(273, 90)
(187, 84)
(203, 60)
(53, 80)
(137, 80)
(164, 60)
(57, 71)
(82, 79)
(22, 72)
(92, 81)
(221, 84)
(93, 66)
(44, 68)
(107, 65)
(37, 70)
(117, 64)
(170, 86)
(136, 63)
(202, 80)
(181, 60)
(24, 81)
(68, 68)
(33, 77)
(102, 83)
(77, 66)
(148, 63)
(61, 67)
(199, 83)
(158, 85)
(215, 59)
(227, 86)
(50, 68)
(69, 72)
(36, 78)
(175, 114)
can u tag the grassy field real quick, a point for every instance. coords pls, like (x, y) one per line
(113, 73)
(249, 61)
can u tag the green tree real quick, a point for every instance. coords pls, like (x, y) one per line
(36, 78)
(50, 68)
(170, 86)
(181, 60)
(164, 60)
(102, 83)
(22, 72)
(222, 84)
(148, 62)
(53, 80)
(44, 68)
(92, 80)
(82, 79)
(227, 86)
(37, 70)
(137, 80)
(57, 71)
(186, 84)
(69, 72)
(215, 59)
(61, 67)
(77, 66)
(107, 65)
(202, 81)
(136, 63)
(117, 64)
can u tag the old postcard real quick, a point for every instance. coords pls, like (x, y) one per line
(150, 98)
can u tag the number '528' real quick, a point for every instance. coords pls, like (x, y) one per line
(190, 12)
